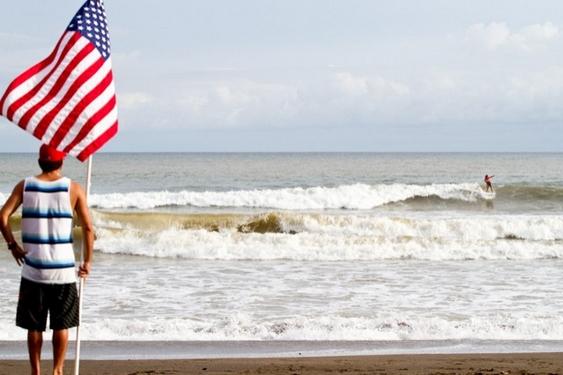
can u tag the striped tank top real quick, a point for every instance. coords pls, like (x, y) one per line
(47, 231)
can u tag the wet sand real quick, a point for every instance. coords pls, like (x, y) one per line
(483, 364)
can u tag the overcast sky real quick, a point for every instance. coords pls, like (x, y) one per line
(316, 75)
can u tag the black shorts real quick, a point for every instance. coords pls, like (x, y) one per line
(38, 299)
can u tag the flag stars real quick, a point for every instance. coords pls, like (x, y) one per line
(90, 21)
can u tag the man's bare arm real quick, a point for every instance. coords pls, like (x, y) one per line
(11, 205)
(81, 208)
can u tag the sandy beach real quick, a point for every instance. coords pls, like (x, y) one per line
(485, 364)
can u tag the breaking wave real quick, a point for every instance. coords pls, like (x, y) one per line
(302, 236)
(352, 197)
(242, 327)
(356, 196)
(379, 327)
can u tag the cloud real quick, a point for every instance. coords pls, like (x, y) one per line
(497, 35)
(374, 87)
(132, 100)
(335, 99)
(329, 99)
(237, 103)
(430, 83)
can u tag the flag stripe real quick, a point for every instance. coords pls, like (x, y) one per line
(66, 92)
(88, 106)
(58, 84)
(68, 115)
(99, 142)
(35, 70)
(106, 114)
(70, 92)
(24, 100)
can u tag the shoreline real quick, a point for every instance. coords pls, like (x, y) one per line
(507, 363)
(188, 350)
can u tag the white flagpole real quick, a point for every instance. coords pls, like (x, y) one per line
(81, 283)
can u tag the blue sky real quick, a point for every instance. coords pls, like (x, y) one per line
(316, 75)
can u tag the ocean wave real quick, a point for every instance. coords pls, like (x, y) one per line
(379, 327)
(298, 236)
(530, 192)
(356, 196)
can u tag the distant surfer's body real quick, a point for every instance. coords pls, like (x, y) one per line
(488, 182)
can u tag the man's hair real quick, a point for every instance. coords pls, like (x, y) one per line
(49, 166)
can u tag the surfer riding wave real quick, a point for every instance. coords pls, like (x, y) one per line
(488, 182)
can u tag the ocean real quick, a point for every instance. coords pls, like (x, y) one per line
(371, 247)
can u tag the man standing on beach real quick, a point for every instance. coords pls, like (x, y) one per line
(48, 283)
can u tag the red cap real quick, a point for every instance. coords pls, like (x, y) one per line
(48, 153)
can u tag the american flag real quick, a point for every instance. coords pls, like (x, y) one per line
(68, 100)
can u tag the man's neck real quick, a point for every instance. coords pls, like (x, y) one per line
(50, 176)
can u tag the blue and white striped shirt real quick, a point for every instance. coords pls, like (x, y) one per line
(47, 231)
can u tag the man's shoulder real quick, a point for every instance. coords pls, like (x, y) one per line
(20, 185)
(18, 189)
(75, 186)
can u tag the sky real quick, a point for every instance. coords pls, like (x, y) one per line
(315, 75)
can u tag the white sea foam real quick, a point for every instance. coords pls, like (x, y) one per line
(350, 237)
(240, 327)
(356, 196)
(244, 327)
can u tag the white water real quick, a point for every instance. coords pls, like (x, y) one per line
(444, 262)
(349, 237)
(135, 298)
(245, 327)
(356, 196)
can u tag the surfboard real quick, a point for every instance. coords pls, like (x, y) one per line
(488, 194)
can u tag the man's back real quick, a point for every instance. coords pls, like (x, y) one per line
(47, 231)
(48, 287)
